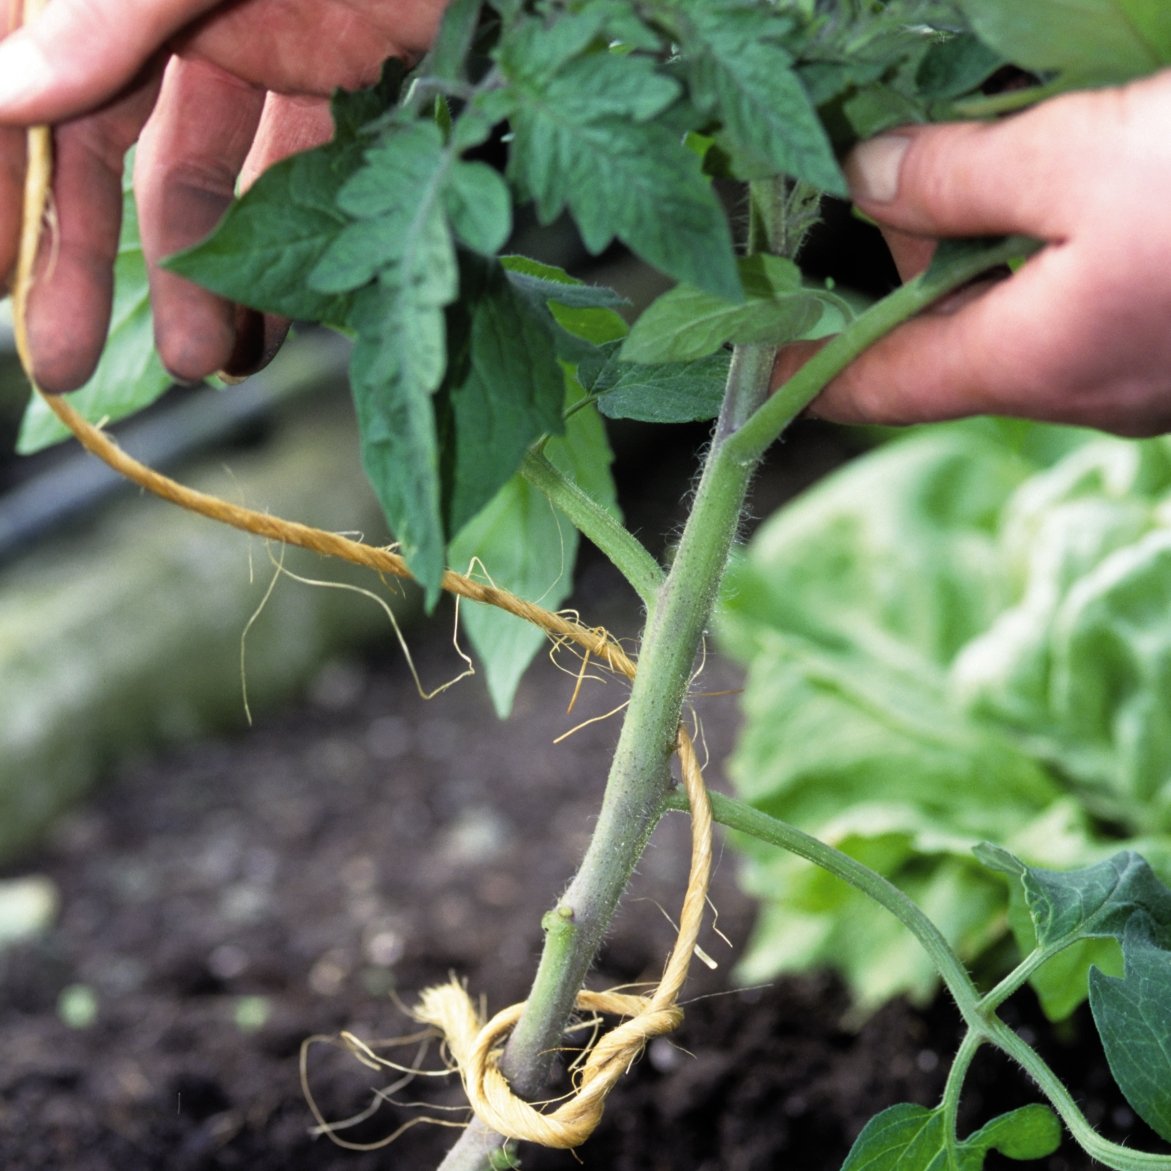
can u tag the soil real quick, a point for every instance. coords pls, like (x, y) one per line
(220, 904)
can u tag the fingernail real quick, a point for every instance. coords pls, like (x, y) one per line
(873, 167)
(22, 70)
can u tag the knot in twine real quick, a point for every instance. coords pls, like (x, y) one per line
(475, 1045)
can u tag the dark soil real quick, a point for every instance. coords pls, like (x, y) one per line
(225, 902)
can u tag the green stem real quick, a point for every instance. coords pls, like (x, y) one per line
(740, 816)
(1017, 978)
(1108, 1153)
(598, 524)
(766, 425)
(983, 1025)
(640, 776)
(955, 1080)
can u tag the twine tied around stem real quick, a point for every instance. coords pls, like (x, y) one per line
(473, 1044)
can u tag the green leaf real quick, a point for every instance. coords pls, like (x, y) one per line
(398, 362)
(479, 206)
(673, 392)
(1092, 902)
(274, 236)
(740, 74)
(129, 375)
(392, 373)
(556, 285)
(686, 323)
(1085, 42)
(529, 548)
(394, 201)
(588, 139)
(913, 1138)
(504, 392)
(1133, 1016)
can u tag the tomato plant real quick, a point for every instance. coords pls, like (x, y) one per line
(481, 382)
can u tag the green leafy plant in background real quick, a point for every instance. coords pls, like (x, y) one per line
(962, 635)
(481, 382)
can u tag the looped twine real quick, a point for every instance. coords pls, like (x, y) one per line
(475, 1045)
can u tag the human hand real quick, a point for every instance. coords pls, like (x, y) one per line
(1082, 332)
(213, 91)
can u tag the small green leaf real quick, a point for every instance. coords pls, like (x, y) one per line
(556, 285)
(913, 1138)
(129, 375)
(1092, 902)
(394, 199)
(398, 363)
(1133, 1016)
(585, 314)
(688, 323)
(671, 392)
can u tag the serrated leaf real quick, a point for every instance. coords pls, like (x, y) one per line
(585, 313)
(555, 284)
(394, 198)
(274, 236)
(130, 375)
(1133, 1016)
(1086, 42)
(529, 548)
(740, 75)
(672, 392)
(398, 362)
(913, 1138)
(686, 323)
(505, 393)
(587, 139)
(1092, 902)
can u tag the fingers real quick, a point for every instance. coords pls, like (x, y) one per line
(1011, 347)
(980, 178)
(185, 176)
(69, 302)
(11, 201)
(79, 52)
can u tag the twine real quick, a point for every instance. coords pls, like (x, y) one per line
(474, 1044)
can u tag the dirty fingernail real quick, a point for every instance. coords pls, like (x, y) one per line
(873, 167)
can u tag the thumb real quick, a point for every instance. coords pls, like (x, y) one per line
(79, 53)
(974, 178)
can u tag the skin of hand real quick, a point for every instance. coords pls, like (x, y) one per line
(1081, 333)
(213, 92)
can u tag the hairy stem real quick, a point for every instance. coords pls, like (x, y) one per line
(598, 525)
(639, 779)
(743, 817)
(984, 1026)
